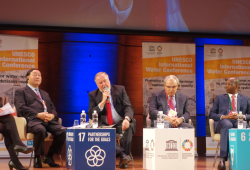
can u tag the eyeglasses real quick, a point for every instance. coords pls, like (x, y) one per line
(169, 87)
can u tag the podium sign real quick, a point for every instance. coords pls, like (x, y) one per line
(168, 149)
(90, 149)
(239, 142)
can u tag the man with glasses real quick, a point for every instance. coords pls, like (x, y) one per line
(172, 103)
(225, 114)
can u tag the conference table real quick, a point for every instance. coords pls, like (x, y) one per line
(90, 148)
(239, 149)
(171, 148)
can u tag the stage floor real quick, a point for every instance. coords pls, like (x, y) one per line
(201, 163)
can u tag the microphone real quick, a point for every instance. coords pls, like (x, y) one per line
(106, 89)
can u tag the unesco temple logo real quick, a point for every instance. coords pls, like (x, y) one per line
(147, 145)
(171, 145)
(95, 156)
(151, 48)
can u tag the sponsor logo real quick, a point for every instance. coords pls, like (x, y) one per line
(152, 145)
(220, 50)
(30, 142)
(159, 48)
(171, 145)
(69, 155)
(147, 145)
(1, 41)
(187, 145)
(95, 156)
(212, 52)
(232, 154)
(151, 48)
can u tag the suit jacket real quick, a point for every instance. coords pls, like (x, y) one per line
(28, 105)
(221, 107)
(120, 101)
(159, 102)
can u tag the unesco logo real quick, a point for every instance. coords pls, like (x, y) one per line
(95, 156)
(69, 156)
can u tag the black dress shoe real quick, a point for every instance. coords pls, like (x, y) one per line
(37, 162)
(23, 149)
(221, 165)
(50, 161)
(12, 165)
(125, 159)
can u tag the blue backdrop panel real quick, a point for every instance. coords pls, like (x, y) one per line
(83, 55)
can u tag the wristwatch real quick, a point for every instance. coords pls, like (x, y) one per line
(128, 118)
(183, 119)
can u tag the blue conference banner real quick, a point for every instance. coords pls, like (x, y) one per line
(239, 142)
(90, 149)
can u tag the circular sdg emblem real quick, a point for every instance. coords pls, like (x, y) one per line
(187, 145)
(95, 156)
(159, 48)
(69, 155)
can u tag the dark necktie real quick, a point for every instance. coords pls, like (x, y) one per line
(109, 113)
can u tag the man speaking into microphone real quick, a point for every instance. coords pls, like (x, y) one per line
(112, 104)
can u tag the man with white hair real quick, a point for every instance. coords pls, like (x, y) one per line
(172, 103)
(113, 106)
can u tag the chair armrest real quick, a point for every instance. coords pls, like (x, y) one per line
(21, 124)
(60, 121)
(190, 121)
(211, 126)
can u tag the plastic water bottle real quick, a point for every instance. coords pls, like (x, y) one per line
(95, 119)
(83, 118)
(240, 120)
(160, 124)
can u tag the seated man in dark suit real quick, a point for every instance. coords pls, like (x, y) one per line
(112, 104)
(224, 114)
(36, 106)
(172, 103)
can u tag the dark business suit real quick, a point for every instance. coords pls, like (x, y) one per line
(11, 137)
(221, 107)
(28, 105)
(159, 102)
(122, 106)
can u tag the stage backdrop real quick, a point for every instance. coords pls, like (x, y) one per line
(220, 63)
(17, 55)
(164, 59)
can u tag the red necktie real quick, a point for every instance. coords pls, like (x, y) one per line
(109, 113)
(171, 103)
(233, 103)
(158, 11)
